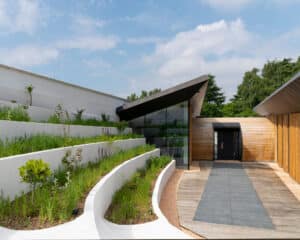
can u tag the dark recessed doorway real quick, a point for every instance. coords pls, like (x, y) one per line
(227, 141)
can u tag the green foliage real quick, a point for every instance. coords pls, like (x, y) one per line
(132, 97)
(72, 162)
(40, 142)
(121, 126)
(60, 115)
(104, 117)
(213, 101)
(29, 89)
(256, 87)
(14, 114)
(35, 171)
(78, 114)
(132, 203)
(54, 204)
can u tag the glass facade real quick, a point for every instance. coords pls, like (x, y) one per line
(168, 130)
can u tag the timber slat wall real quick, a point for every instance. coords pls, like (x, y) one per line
(288, 143)
(258, 138)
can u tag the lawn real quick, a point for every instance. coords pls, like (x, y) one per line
(55, 203)
(40, 142)
(132, 204)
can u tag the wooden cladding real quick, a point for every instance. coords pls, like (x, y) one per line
(288, 143)
(257, 136)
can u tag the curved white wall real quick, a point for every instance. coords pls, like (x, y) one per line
(12, 129)
(48, 93)
(10, 184)
(99, 203)
(89, 226)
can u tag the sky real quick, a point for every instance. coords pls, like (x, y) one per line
(124, 46)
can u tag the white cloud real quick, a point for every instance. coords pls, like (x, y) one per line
(19, 16)
(225, 49)
(86, 24)
(91, 43)
(227, 5)
(97, 63)
(188, 51)
(28, 55)
(144, 40)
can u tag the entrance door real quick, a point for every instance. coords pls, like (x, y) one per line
(228, 144)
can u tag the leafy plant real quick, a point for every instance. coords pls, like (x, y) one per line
(14, 114)
(121, 126)
(104, 117)
(72, 162)
(34, 172)
(78, 114)
(29, 89)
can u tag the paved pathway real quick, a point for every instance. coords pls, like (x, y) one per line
(278, 201)
(230, 198)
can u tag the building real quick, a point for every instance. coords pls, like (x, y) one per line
(169, 119)
(282, 107)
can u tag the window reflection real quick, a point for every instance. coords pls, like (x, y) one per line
(168, 130)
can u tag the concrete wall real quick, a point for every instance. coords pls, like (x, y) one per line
(12, 129)
(10, 184)
(35, 113)
(87, 225)
(257, 135)
(48, 93)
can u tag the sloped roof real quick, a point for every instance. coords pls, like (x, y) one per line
(285, 99)
(163, 99)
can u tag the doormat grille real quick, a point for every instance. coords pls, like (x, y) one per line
(230, 198)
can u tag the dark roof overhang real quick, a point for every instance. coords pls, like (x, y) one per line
(163, 99)
(285, 99)
(231, 125)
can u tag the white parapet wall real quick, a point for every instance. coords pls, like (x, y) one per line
(10, 184)
(12, 129)
(92, 225)
(35, 113)
(112, 182)
(49, 92)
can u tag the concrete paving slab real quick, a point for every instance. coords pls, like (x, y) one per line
(230, 198)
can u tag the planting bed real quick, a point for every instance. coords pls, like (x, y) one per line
(40, 142)
(132, 204)
(54, 203)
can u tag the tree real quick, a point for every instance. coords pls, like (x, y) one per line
(255, 87)
(29, 89)
(133, 96)
(213, 101)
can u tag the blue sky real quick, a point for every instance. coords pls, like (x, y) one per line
(120, 46)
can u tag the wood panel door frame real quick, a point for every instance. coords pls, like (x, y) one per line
(228, 128)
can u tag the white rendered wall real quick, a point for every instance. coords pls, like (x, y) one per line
(48, 93)
(35, 113)
(12, 129)
(10, 184)
(86, 226)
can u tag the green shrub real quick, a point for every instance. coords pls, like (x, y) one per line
(34, 172)
(78, 114)
(14, 114)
